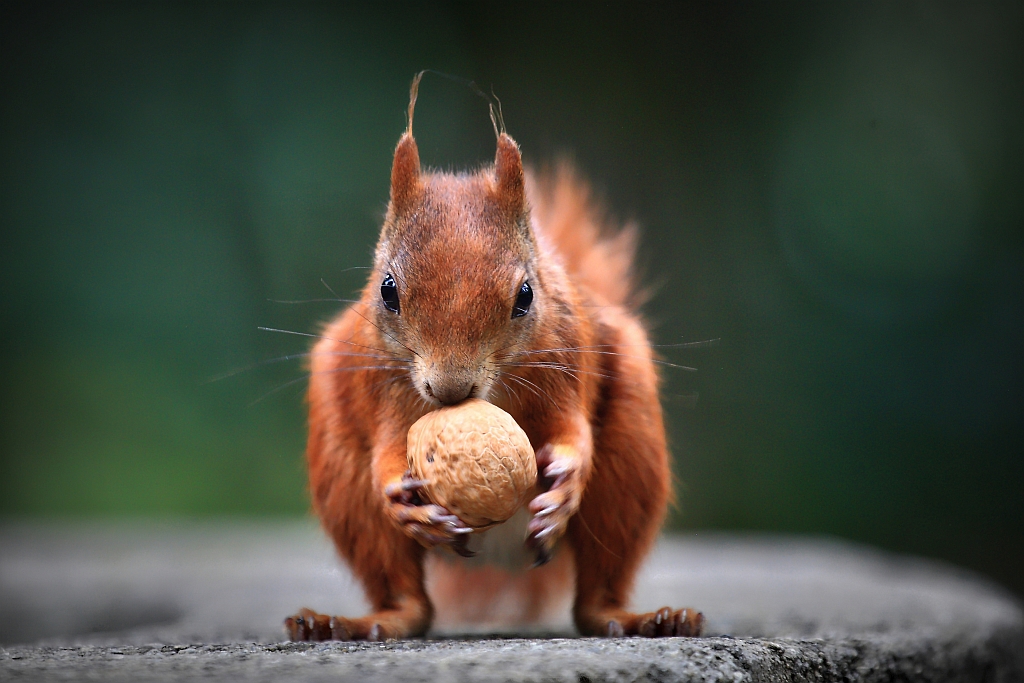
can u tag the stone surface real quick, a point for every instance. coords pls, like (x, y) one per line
(169, 601)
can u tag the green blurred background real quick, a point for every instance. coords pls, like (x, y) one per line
(834, 190)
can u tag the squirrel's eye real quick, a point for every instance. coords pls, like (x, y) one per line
(389, 293)
(523, 300)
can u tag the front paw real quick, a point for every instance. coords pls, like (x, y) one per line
(552, 509)
(429, 524)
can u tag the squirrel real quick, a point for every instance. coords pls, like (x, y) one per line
(498, 286)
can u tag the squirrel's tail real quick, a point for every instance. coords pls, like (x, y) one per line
(597, 253)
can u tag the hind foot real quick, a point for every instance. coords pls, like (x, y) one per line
(663, 623)
(308, 625)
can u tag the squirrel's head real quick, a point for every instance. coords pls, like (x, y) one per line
(455, 283)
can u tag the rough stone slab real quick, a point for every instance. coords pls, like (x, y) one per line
(902, 658)
(153, 601)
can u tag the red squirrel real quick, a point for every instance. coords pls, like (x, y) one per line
(495, 286)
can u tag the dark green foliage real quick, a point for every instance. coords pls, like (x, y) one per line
(835, 192)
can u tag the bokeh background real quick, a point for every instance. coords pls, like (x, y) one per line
(833, 190)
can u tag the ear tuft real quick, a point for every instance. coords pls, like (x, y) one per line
(508, 172)
(405, 172)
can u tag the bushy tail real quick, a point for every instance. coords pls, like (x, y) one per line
(597, 253)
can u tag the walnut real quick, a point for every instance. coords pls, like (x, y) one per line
(476, 460)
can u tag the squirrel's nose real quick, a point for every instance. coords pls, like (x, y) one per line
(450, 392)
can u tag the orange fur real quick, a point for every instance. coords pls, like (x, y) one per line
(599, 255)
(575, 371)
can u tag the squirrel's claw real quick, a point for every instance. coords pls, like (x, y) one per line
(429, 537)
(406, 490)
(669, 622)
(429, 524)
(551, 510)
(541, 557)
(430, 515)
(461, 547)
(550, 517)
(308, 625)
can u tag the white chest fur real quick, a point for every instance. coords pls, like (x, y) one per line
(496, 590)
(502, 546)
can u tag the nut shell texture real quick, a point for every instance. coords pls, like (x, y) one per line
(476, 460)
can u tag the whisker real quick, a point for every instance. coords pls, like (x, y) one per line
(706, 343)
(536, 389)
(386, 333)
(599, 541)
(252, 366)
(569, 370)
(279, 388)
(307, 375)
(583, 349)
(314, 336)
(552, 366)
(293, 356)
(324, 283)
(313, 301)
(386, 381)
(379, 328)
(509, 393)
(494, 376)
(687, 400)
(350, 368)
(547, 364)
(396, 359)
(321, 336)
(519, 380)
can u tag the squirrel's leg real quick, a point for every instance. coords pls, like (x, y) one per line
(388, 563)
(617, 523)
(381, 528)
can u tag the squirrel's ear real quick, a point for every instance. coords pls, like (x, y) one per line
(405, 172)
(508, 172)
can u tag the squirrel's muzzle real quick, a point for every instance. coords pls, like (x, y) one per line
(449, 391)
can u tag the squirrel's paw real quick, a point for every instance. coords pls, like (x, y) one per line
(552, 509)
(665, 622)
(670, 622)
(307, 625)
(427, 523)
